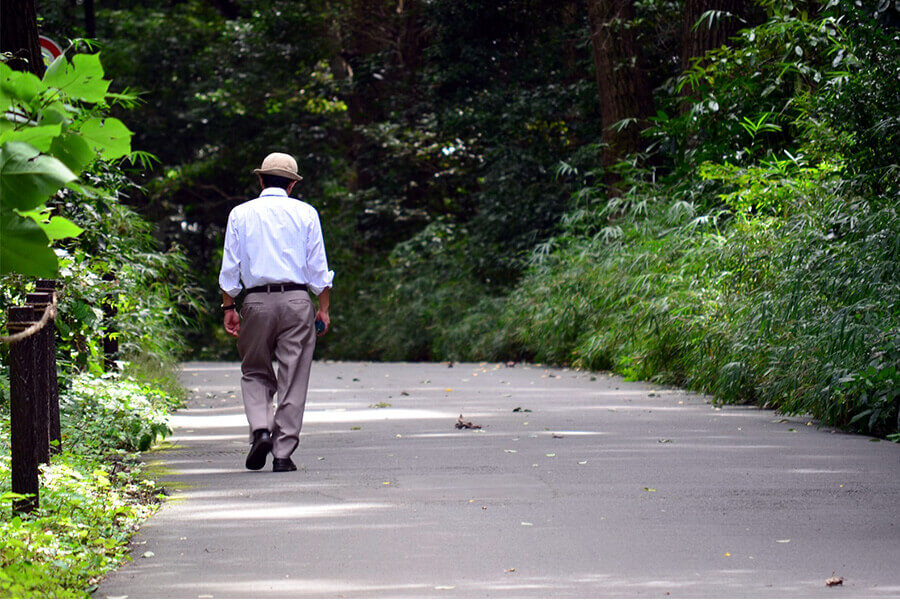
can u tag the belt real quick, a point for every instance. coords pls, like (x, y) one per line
(277, 287)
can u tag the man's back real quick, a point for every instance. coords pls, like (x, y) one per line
(276, 239)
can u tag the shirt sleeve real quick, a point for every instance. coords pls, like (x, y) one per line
(319, 277)
(230, 274)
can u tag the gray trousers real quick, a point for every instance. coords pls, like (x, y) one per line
(279, 326)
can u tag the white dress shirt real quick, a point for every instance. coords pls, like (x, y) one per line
(274, 239)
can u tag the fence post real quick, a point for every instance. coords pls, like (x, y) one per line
(110, 341)
(23, 405)
(48, 286)
(42, 376)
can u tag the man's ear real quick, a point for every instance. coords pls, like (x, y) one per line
(261, 184)
(290, 187)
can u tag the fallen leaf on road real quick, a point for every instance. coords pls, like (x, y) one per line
(582, 462)
(510, 451)
(404, 393)
(728, 554)
(551, 455)
(520, 409)
(648, 489)
(461, 424)
(664, 441)
(512, 570)
(783, 541)
(557, 436)
(527, 524)
(357, 428)
(148, 554)
(832, 581)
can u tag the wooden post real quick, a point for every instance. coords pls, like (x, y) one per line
(23, 450)
(42, 377)
(110, 342)
(48, 286)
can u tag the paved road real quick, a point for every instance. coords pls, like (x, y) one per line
(605, 488)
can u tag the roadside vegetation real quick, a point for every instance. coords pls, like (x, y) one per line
(696, 192)
(702, 193)
(66, 167)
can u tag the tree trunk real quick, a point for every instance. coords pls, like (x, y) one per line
(623, 85)
(90, 19)
(699, 38)
(19, 35)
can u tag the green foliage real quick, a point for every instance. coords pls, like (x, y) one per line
(769, 273)
(114, 413)
(748, 251)
(50, 130)
(92, 496)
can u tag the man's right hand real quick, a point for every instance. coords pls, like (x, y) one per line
(232, 322)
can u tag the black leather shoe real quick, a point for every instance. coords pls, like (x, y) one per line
(259, 450)
(280, 465)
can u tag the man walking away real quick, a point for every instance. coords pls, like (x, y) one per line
(275, 251)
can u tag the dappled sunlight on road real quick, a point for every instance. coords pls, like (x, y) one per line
(572, 487)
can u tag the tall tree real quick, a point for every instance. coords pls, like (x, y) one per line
(19, 36)
(626, 98)
(723, 18)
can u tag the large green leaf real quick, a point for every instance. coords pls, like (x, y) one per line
(57, 113)
(60, 228)
(73, 151)
(39, 137)
(24, 247)
(109, 137)
(81, 79)
(55, 228)
(27, 177)
(18, 85)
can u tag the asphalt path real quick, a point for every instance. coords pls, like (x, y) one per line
(576, 485)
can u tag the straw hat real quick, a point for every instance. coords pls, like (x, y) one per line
(280, 164)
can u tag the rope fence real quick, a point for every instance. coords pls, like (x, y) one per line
(35, 431)
(49, 315)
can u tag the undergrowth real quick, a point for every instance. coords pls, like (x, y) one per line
(93, 495)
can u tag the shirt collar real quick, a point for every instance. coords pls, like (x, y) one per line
(273, 191)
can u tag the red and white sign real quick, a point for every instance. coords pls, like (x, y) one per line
(49, 50)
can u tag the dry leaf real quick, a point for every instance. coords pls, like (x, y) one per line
(832, 581)
(461, 424)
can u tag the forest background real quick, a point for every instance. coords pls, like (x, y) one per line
(701, 193)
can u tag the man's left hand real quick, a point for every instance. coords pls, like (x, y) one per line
(322, 315)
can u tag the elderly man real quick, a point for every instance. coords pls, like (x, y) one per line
(275, 251)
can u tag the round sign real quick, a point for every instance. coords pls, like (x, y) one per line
(49, 50)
